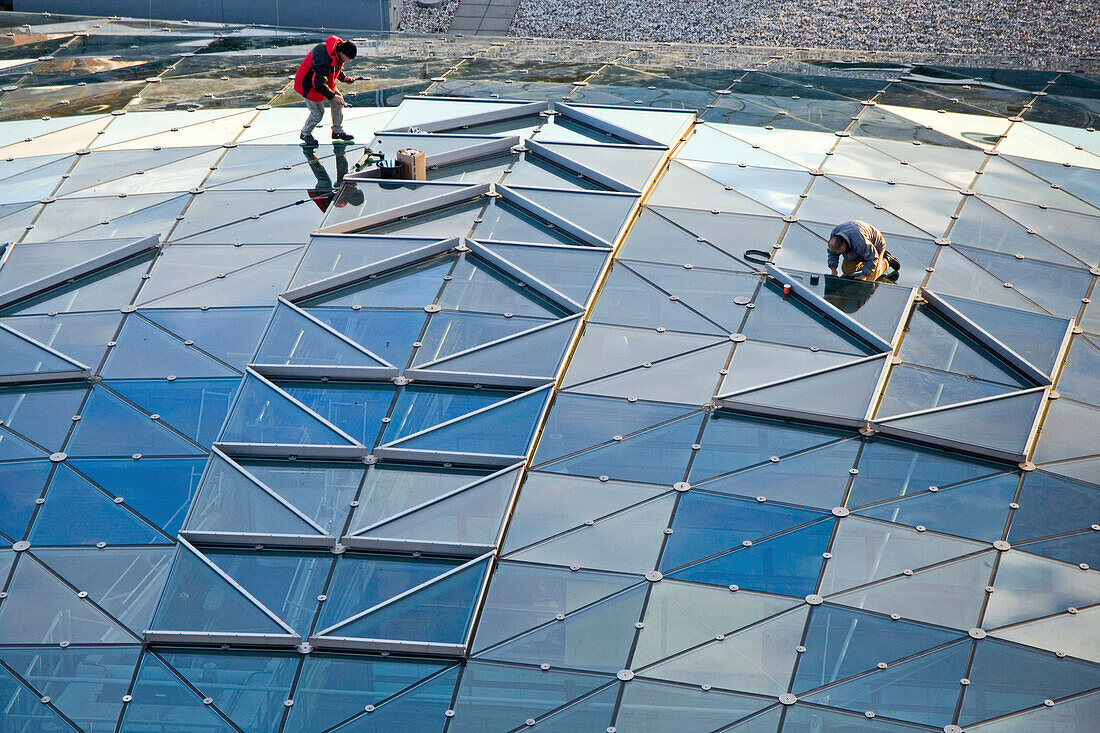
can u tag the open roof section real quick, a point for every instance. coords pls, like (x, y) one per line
(681, 415)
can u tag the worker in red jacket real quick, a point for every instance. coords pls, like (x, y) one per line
(316, 81)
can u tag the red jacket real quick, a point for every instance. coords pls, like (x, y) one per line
(319, 71)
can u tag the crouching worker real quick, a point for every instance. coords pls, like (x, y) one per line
(316, 80)
(864, 251)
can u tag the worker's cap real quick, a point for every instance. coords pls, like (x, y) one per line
(347, 48)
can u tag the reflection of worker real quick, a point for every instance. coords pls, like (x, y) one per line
(316, 81)
(324, 193)
(864, 251)
(847, 294)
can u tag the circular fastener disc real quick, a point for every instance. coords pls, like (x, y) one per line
(738, 337)
(1048, 702)
(882, 665)
(625, 675)
(530, 721)
(790, 218)
(814, 599)
(787, 699)
(853, 471)
(682, 486)
(976, 633)
(433, 308)
(869, 714)
(800, 649)
(58, 457)
(943, 241)
(964, 682)
(21, 546)
(839, 511)
(654, 576)
(742, 300)
(1001, 545)
(952, 729)
(544, 667)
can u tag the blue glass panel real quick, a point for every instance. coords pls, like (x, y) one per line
(198, 599)
(363, 581)
(23, 357)
(286, 583)
(23, 711)
(1020, 574)
(388, 333)
(923, 690)
(626, 299)
(597, 638)
(788, 564)
(21, 484)
(77, 513)
(1006, 677)
(263, 415)
(421, 407)
(731, 442)
(706, 291)
(355, 408)
(421, 709)
(160, 489)
(823, 720)
(705, 524)
(593, 712)
(888, 470)
(321, 491)
(535, 353)
(14, 448)
(500, 697)
(162, 701)
(571, 272)
(107, 289)
(504, 222)
(931, 341)
(450, 333)
(1034, 336)
(110, 427)
(841, 642)
(976, 510)
(143, 350)
(685, 709)
(476, 286)
(1080, 375)
(505, 429)
(294, 339)
(441, 612)
(230, 334)
(1007, 422)
(793, 322)
(1057, 289)
(85, 683)
(414, 286)
(82, 336)
(580, 421)
(194, 407)
(41, 414)
(659, 455)
(333, 688)
(248, 687)
(1075, 548)
(911, 388)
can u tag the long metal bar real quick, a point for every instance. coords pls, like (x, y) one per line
(440, 376)
(520, 201)
(339, 643)
(785, 413)
(799, 377)
(326, 371)
(453, 195)
(513, 337)
(578, 114)
(390, 544)
(547, 291)
(213, 638)
(333, 332)
(486, 460)
(508, 110)
(895, 341)
(283, 450)
(557, 158)
(250, 539)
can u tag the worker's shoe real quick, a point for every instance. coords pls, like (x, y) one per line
(894, 263)
(308, 139)
(344, 136)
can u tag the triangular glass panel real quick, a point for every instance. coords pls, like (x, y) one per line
(613, 349)
(679, 616)
(159, 697)
(683, 187)
(982, 226)
(251, 688)
(476, 286)
(627, 542)
(731, 233)
(1068, 431)
(1051, 505)
(182, 266)
(710, 142)
(256, 285)
(143, 350)
(825, 198)
(1008, 422)
(1020, 574)
(194, 407)
(230, 501)
(654, 238)
(388, 489)
(1037, 676)
(85, 683)
(757, 363)
(796, 323)
(947, 595)
(1078, 181)
(1057, 289)
(504, 221)
(31, 413)
(932, 341)
(759, 659)
(523, 597)
(1002, 179)
(126, 582)
(23, 707)
(471, 516)
(27, 263)
(690, 379)
(421, 708)
(451, 332)
(827, 720)
(1065, 633)
(912, 388)
(592, 712)
(331, 255)
(285, 582)
(535, 171)
(228, 334)
(956, 275)
(814, 391)
(878, 306)
(1078, 378)
(929, 209)
(263, 414)
(390, 334)
(597, 638)
(789, 564)
(551, 503)
(77, 513)
(865, 551)
(79, 336)
(160, 489)
(662, 126)
(817, 477)
(532, 353)
(1065, 229)
(601, 214)
(40, 609)
(570, 271)
(199, 599)
(412, 286)
(294, 339)
(333, 688)
(777, 189)
(932, 678)
(110, 427)
(731, 442)
(976, 510)
(111, 288)
(1074, 548)
(500, 697)
(632, 166)
(707, 292)
(439, 612)
(628, 300)
(841, 642)
(380, 197)
(888, 470)
(24, 357)
(22, 484)
(659, 455)
(502, 429)
(856, 159)
(96, 216)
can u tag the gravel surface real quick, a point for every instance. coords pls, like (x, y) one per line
(1010, 27)
(415, 19)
